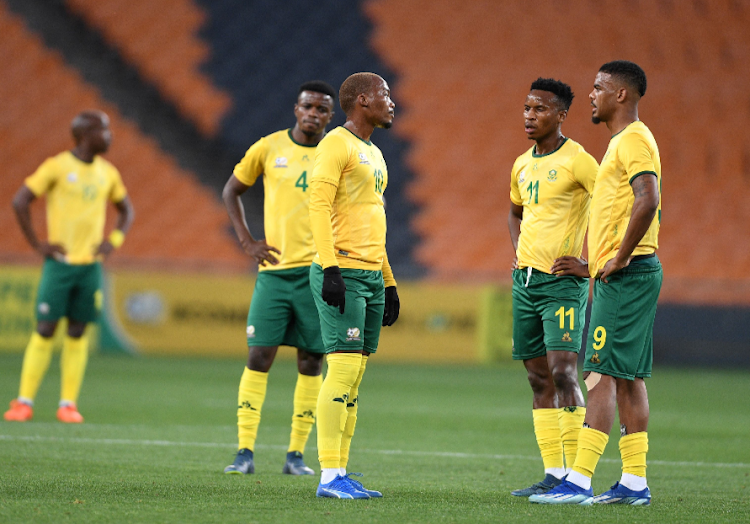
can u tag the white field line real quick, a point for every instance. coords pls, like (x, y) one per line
(446, 454)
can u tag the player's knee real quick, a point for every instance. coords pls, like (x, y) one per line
(46, 328)
(565, 378)
(260, 358)
(540, 382)
(76, 329)
(308, 363)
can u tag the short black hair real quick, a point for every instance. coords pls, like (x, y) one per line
(561, 90)
(629, 72)
(354, 86)
(318, 86)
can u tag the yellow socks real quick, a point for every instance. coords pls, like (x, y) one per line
(591, 444)
(35, 364)
(249, 403)
(351, 420)
(547, 430)
(633, 449)
(305, 405)
(75, 355)
(343, 370)
(571, 421)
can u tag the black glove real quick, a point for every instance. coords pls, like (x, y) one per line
(334, 288)
(392, 306)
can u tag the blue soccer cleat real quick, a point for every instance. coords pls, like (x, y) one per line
(565, 493)
(358, 486)
(295, 465)
(243, 463)
(619, 494)
(549, 482)
(340, 488)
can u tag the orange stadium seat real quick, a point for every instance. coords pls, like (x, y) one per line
(461, 87)
(165, 49)
(177, 220)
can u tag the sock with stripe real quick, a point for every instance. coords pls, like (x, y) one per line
(591, 444)
(343, 370)
(305, 405)
(633, 449)
(73, 360)
(252, 393)
(571, 421)
(547, 430)
(351, 419)
(36, 361)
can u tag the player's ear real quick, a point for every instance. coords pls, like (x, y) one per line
(562, 115)
(363, 100)
(622, 94)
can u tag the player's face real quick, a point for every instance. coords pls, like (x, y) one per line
(603, 98)
(381, 105)
(313, 111)
(541, 115)
(99, 135)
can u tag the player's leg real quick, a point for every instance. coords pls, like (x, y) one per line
(267, 321)
(304, 334)
(632, 398)
(343, 342)
(84, 306)
(51, 305)
(528, 345)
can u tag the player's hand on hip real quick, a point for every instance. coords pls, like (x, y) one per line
(611, 267)
(514, 264)
(334, 288)
(261, 252)
(392, 306)
(105, 249)
(55, 251)
(570, 266)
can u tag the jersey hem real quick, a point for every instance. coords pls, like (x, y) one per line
(285, 266)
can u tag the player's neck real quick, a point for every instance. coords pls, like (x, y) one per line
(622, 120)
(84, 155)
(359, 127)
(548, 144)
(302, 138)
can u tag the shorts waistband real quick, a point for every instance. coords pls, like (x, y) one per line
(642, 257)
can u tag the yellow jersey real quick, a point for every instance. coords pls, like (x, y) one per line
(77, 193)
(347, 209)
(286, 167)
(555, 192)
(631, 153)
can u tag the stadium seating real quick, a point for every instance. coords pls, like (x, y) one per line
(463, 82)
(165, 49)
(177, 220)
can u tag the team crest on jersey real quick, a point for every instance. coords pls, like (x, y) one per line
(522, 176)
(363, 159)
(250, 331)
(72, 177)
(566, 337)
(352, 334)
(595, 359)
(281, 161)
(552, 175)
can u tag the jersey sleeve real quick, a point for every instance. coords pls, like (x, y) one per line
(585, 168)
(118, 191)
(636, 156)
(331, 158)
(43, 178)
(253, 163)
(388, 278)
(322, 195)
(515, 192)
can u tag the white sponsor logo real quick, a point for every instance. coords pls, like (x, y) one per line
(250, 331)
(363, 159)
(352, 333)
(72, 177)
(281, 161)
(522, 176)
(43, 308)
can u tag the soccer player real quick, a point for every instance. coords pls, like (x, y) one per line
(623, 238)
(282, 310)
(77, 185)
(550, 193)
(352, 282)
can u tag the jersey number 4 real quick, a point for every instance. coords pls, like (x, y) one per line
(302, 181)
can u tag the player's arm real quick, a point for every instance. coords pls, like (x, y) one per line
(646, 191)
(515, 215)
(125, 217)
(392, 302)
(35, 186)
(331, 157)
(259, 250)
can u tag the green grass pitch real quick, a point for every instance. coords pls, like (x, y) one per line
(444, 444)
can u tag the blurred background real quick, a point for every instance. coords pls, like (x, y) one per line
(190, 84)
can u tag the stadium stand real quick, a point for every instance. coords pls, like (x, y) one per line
(465, 122)
(165, 49)
(179, 223)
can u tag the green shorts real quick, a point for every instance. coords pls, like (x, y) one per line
(67, 290)
(549, 313)
(620, 341)
(282, 311)
(359, 327)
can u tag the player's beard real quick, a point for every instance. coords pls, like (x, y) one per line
(596, 120)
